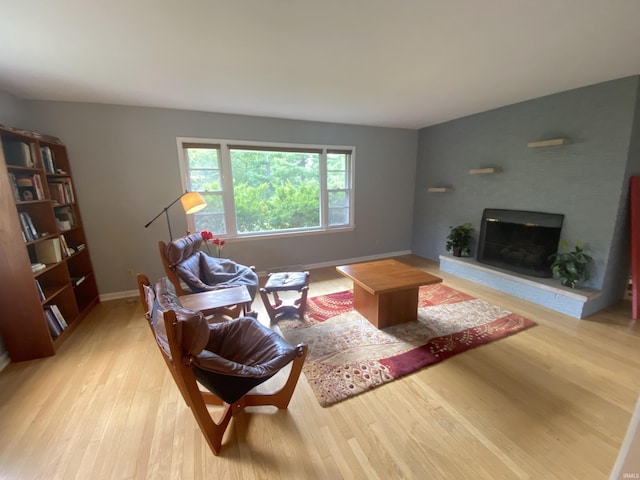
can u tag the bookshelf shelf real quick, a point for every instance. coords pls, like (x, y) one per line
(554, 142)
(485, 171)
(40, 231)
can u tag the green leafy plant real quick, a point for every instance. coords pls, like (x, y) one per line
(459, 239)
(572, 266)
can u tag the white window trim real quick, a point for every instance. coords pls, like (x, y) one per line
(227, 185)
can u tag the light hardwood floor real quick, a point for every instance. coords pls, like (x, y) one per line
(552, 402)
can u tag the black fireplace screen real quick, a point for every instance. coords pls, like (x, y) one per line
(519, 241)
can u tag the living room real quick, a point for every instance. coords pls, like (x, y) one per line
(125, 166)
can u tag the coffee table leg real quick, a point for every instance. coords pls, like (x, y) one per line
(398, 307)
(366, 304)
(386, 309)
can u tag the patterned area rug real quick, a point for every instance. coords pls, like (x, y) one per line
(348, 355)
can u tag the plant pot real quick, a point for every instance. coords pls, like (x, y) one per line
(457, 251)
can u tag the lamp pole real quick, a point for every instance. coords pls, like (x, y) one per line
(165, 210)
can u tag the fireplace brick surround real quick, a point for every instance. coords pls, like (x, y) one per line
(578, 303)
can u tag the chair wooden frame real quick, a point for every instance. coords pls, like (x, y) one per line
(180, 366)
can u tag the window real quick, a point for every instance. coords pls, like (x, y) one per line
(257, 189)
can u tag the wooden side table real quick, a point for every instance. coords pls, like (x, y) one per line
(227, 301)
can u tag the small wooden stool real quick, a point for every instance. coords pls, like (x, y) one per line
(285, 281)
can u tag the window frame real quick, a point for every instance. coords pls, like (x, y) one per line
(225, 146)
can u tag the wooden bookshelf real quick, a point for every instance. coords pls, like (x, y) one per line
(40, 219)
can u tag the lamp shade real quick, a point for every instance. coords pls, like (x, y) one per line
(192, 202)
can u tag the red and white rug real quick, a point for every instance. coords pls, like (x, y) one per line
(347, 355)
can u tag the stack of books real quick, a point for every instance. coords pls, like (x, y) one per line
(29, 231)
(29, 187)
(55, 320)
(36, 267)
(18, 153)
(48, 159)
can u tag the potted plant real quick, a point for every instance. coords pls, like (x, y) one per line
(459, 240)
(570, 267)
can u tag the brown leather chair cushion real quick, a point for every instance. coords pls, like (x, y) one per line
(240, 347)
(183, 248)
(194, 329)
(283, 281)
(228, 358)
(201, 272)
(243, 347)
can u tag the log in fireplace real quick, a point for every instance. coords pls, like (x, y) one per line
(519, 241)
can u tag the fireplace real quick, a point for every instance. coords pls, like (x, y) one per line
(519, 241)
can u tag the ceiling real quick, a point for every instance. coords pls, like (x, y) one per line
(402, 63)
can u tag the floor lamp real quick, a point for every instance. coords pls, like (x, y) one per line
(192, 202)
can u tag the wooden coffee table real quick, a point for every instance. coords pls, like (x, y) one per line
(385, 292)
(219, 301)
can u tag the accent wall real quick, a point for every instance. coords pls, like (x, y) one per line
(587, 180)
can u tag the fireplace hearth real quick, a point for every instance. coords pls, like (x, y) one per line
(520, 241)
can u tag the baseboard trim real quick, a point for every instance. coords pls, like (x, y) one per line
(369, 258)
(333, 263)
(118, 295)
(4, 360)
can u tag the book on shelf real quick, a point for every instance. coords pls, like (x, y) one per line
(27, 193)
(28, 228)
(68, 190)
(63, 188)
(30, 187)
(75, 281)
(54, 327)
(24, 223)
(48, 159)
(49, 251)
(56, 191)
(40, 291)
(66, 250)
(18, 153)
(34, 154)
(38, 184)
(32, 228)
(65, 218)
(36, 267)
(59, 317)
(14, 187)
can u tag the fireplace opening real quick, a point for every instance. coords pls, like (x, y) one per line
(519, 241)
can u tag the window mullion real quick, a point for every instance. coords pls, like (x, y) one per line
(185, 180)
(349, 167)
(324, 195)
(227, 191)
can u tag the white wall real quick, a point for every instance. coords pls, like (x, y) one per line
(12, 110)
(125, 166)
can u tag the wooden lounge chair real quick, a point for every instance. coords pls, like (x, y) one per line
(228, 358)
